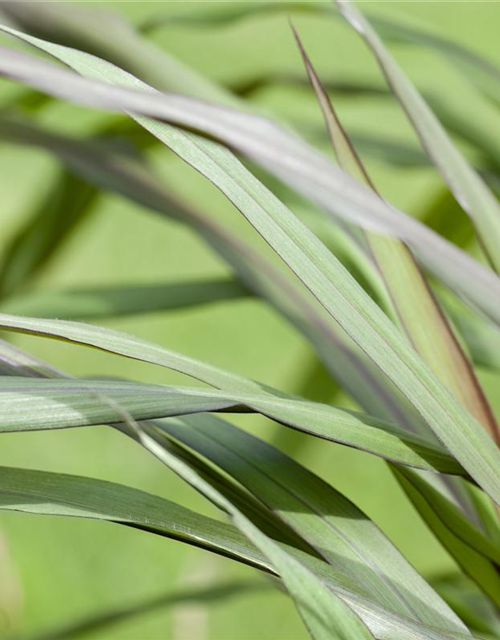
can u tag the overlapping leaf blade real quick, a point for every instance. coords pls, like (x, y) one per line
(317, 268)
(294, 570)
(478, 557)
(418, 310)
(326, 279)
(385, 624)
(332, 525)
(355, 372)
(469, 189)
(55, 404)
(305, 169)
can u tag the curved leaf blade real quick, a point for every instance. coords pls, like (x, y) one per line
(303, 168)
(57, 404)
(467, 186)
(471, 550)
(329, 522)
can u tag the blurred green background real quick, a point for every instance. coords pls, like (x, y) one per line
(55, 570)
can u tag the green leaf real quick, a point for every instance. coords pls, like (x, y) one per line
(110, 170)
(386, 624)
(99, 622)
(42, 492)
(329, 522)
(305, 576)
(482, 337)
(109, 36)
(418, 310)
(56, 404)
(478, 69)
(468, 546)
(326, 615)
(467, 186)
(308, 258)
(276, 149)
(324, 276)
(113, 301)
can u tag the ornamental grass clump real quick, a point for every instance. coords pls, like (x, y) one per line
(398, 314)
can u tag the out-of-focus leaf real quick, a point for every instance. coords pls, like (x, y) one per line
(478, 69)
(56, 216)
(477, 556)
(109, 36)
(98, 622)
(248, 87)
(112, 301)
(57, 404)
(228, 14)
(482, 337)
(473, 607)
(445, 216)
(332, 525)
(280, 151)
(467, 186)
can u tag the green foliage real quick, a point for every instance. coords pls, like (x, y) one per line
(372, 290)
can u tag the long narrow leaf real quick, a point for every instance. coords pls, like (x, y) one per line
(305, 169)
(41, 492)
(419, 312)
(104, 302)
(468, 546)
(55, 404)
(341, 297)
(304, 255)
(386, 625)
(326, 615)
(332, 525)
(348, 364)
(469, 189)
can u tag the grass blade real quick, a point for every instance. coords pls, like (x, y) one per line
(420, 315)
(100, 622)
(467, 186)
(471, 550)
(326, 615)
(113, 301)
(305, 169)
(42, 492)
(339, 295)
(386, 625)
(330, 523)
(58, 404)
(347, 363)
